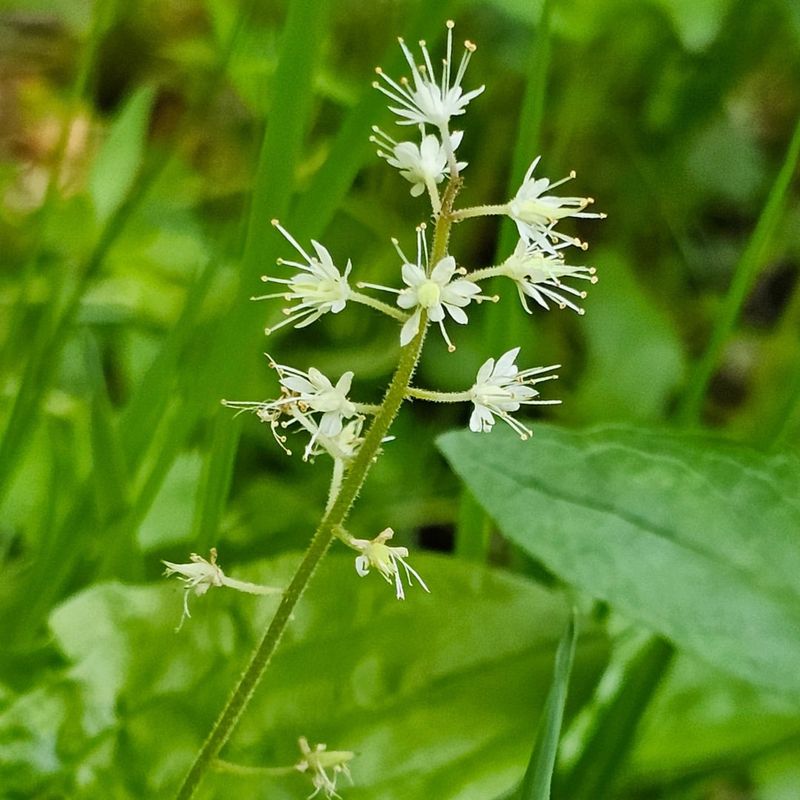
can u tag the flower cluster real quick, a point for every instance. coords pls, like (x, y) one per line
(311, 402)
(434, 288)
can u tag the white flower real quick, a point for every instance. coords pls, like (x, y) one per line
(536, 212)
(423, 165)
(317, 392)
(538, 275)
(501, 388)
(303, 395)
(341, 447)
(376, 553)
(320, 761)
(318, 287)
(200, 575)
(436, 293)
(424, 100)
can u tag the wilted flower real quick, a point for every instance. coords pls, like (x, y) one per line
(318, 288)
(538, 275)
(427, 101)
(536, 212)
(200, 575)
(376, 553)
(501, 388)
(319, 762)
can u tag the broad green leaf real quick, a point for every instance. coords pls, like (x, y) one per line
(696, 538)
(435, 694)
(117, 164)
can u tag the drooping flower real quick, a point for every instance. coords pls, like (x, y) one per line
(376, 553)
(317, 392)
(319, 287)
(536, 212)
(423, 165)
(500, 388)
(199, 575)
(424, 100)
(538, 275)
(304, 394)
(319, 762)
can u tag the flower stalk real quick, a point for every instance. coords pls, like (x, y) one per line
(331, 522)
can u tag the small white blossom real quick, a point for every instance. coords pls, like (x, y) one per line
(536, 212)
(319, 762)
(538, 275)
(376, 553)
(319, 286)
(341, 447)
(436, 293)
(424, 100)
(501, 388)
(200, 575)
(422, 165)
(303, 395)
(317, 392)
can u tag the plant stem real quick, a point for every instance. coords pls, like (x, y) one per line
(331, 523)
(385, 308)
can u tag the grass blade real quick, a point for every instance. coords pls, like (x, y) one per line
(539, 775)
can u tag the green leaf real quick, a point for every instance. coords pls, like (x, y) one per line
(614, 724)
(694, 537)
(117, 164)
(434, 694)
(539, 775)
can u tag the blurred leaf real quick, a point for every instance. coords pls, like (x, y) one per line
(115, 168)
(622, 318)
(427, 692)
(702, 720)
(695, 538)
(169, 518)
(614, 724)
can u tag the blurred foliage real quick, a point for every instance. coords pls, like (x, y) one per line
(144, 148)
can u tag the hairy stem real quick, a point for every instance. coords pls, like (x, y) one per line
(331, 523)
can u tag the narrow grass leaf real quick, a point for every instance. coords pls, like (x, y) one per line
(115, 168)
(539, 775)
(612, 731)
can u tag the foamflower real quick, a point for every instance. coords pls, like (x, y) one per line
(318, 287)
(539, 276)
(424, 100)
(501, 388)
(441, 290)
(536, 212)
(375, 553)
(423, 165)
(199, 575)
(323, 766)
